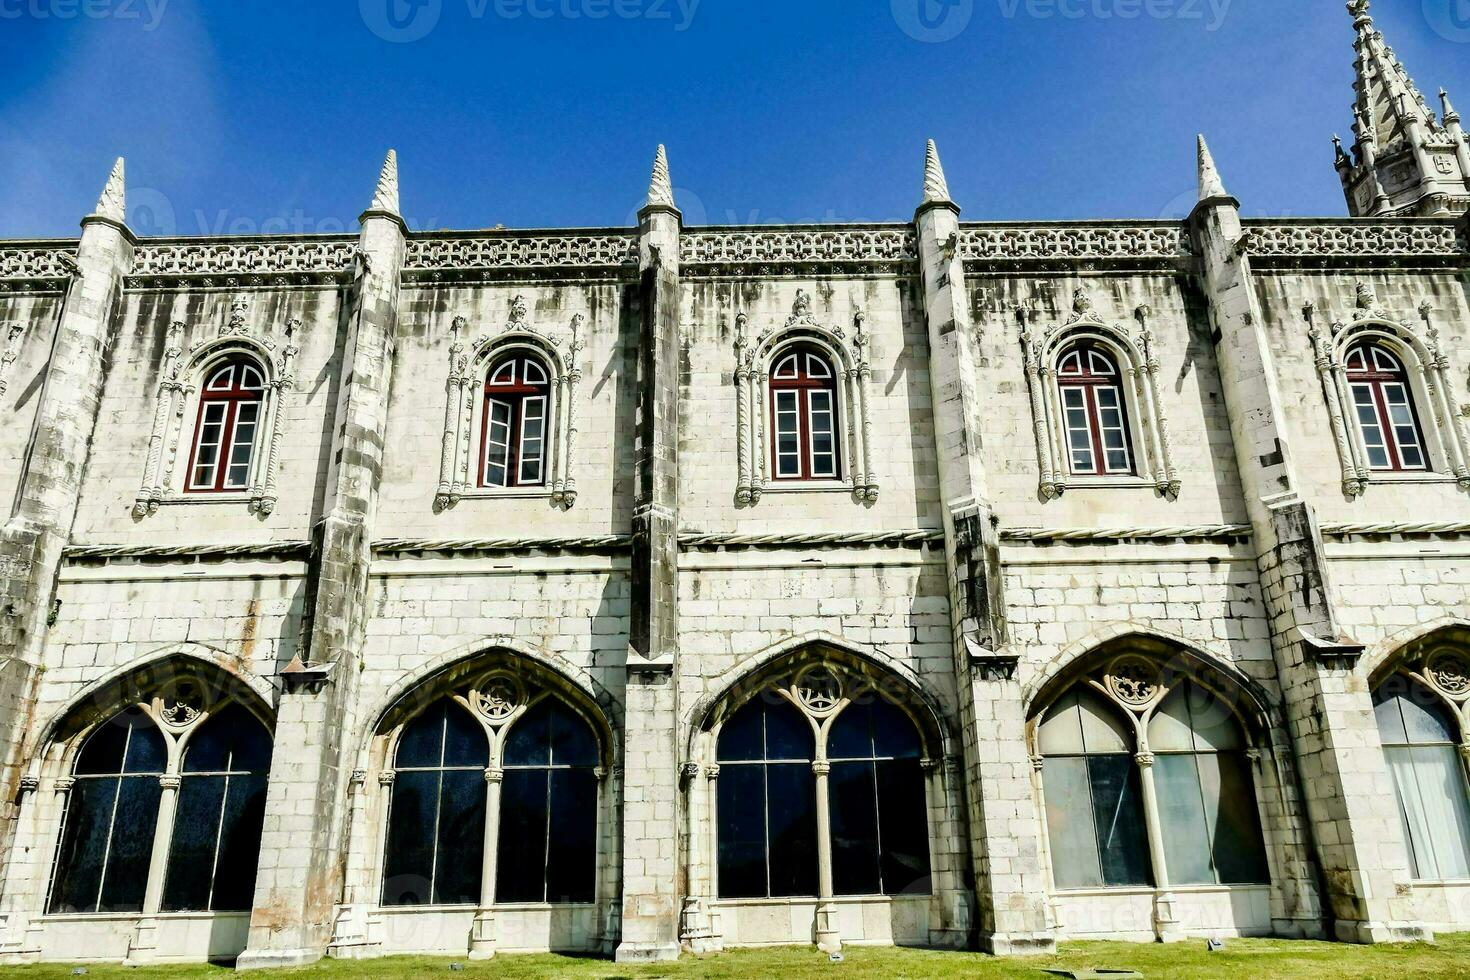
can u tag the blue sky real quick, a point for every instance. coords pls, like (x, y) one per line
(249, 115)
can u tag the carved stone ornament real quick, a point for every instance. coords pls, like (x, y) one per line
(1134, 680)
(1139, 384)
(181, 704)
(459, 465)
(818, 688)
(498, 697)
(754, 359)
(10, 334)
(1448, 443)
(1449, 670)
(179, 382)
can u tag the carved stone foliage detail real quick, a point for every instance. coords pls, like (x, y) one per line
(1142, 395)
(180, 379)
(1134, 680)
(463, 407)
(1449, 670)
(1362, 238)
(754, 359)
(1432, 387)
(30, 267)
(10, 335)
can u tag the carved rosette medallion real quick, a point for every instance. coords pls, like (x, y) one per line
(498, 697)
(1449, 671)
(818, 688)
(1134, 681)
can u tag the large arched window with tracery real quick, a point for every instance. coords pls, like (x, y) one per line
(227, 429)
(515, 431)
(1383, 402)
(494, 800)
(1148, 778)
(1094, 411)
(170, 776)
(821, 739)
(804, 432)
(1422, 738)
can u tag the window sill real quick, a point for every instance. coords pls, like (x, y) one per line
(510, 493)
(497, 907)
(1440, 883)
(202, 497)
(1107, 483)
(1387, 477)
(808, 486)
(836, 900)
(1119, 891)
(130, 916)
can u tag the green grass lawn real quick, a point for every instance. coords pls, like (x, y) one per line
(1257, 959)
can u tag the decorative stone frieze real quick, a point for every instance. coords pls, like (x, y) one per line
(1112, 240)
(464, 403)
(1362, 238)
(790, 251)
(1429, 372)
(495, 255)
(176, 405)
(42, 266)
(1134, 353)
(243, 263)
(753, 361)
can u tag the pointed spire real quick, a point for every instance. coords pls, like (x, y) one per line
(1210, 184)
(1450, 115)
(936, 188)
(113, 204)
(385, 199)
(660, 188)
(1386, 95)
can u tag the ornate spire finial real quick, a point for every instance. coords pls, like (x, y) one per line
(1210, 185)
(660, 188)
(113, 203)
(386, 197)
(936, 188)
(1359, 10)
(1450, 115)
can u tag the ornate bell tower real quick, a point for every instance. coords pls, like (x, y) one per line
(1405, 161)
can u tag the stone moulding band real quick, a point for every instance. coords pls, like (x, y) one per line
(1198, 532)
(593, 542)
(1425, 529)
(278, 550)
(878, 539)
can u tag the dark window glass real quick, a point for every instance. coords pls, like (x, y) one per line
(436, 823)
(880, 825)
(1122, 838)
(548, 809)
(112, 810)
(767, 802)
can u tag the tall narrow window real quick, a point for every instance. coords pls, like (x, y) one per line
(225, 434)
(517, 397)
(1207, 799)
(767, 803)
(1094, 809)
(1420, 740)
(880, 827)
(107, 840)
(1385, 411)
(436, 822)
(212, 861)
(804, 416)
(548, 809)
(1094, 412)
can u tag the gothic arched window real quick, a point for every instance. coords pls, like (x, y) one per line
(1094, 804)
(1207, 797)
(225, 434)
(436, 823)
(135, 791)
(548, 809)
(1384, 406)
(485, 760)
(1094, 411)
(804, 428)
(517, 405)
(1421, 740)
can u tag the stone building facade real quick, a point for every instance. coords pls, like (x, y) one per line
(966, 584)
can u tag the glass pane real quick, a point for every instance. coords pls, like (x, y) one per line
(742, 831)
(1069, 823)
(851, 735)
(520, 874)
(571, 867)
(1061, 729)
(788, 734)
(103, 752)
(408, 863)
(421, 743)
(497, 444)
(572, 742)
(1389, 715)
(742, 736)
(1182, 819)
(1436, 812)
(146, 750)
(233, 740)
(239, 845)
(1426, 719)
(461, 838)
(792, 818)
(83, 845)
(1168, 729)
(1117, 808)
(903, 825)
(465, 743)
(1102, 729)
(529, 741)
(191, 854)
(132, 845)
(1212, 720)
(852, 794)
(1230, 799)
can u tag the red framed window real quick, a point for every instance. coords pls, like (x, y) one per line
(513, 440)
(230, 405)
(804, 417)
(1093, 412)
(1385, 409)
